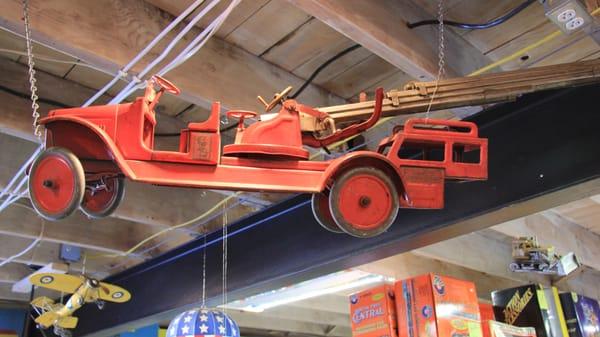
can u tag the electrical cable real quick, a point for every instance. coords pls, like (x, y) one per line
(191, 49)
(166, 240)
(379, 123)
(27, 249)
(383, 120)
(524, 50)
(166, 230)
(26, 96)
(310, 78)
(123, 72)
(495, 22)
(53, 60)
(321, 67)
(132, 86)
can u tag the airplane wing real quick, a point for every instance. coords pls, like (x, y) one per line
(59, 282)
(113, 293)
(43, 303)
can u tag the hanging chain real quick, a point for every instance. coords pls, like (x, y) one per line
(32, 81)
(441, 55)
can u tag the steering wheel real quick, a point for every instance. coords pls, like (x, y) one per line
(166, 85)
(278, 97)
(241, 115)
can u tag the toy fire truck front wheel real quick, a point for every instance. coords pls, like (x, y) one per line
(56, 183)
(364, 202)
(321, 211)
(102, 197)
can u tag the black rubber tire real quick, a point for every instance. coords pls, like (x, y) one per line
(320, 209)
(344, 224)
(115, 202)
(79, 183)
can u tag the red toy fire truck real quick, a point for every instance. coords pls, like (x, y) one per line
(89, 152)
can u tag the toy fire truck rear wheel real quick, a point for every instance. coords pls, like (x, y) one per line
(103, 197)
(321, 211)
(56, 183)
(364, 202)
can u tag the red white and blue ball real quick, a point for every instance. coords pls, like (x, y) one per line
(203, 323)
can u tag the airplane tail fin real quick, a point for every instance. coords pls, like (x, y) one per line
(47, 319)
(69, 322)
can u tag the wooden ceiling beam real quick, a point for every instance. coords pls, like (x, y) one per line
(110, 33)
(7, 294)
(111, 236)
(380, 26)
(13, 272)
(48, 252)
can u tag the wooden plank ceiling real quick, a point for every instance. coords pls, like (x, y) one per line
(262, 47)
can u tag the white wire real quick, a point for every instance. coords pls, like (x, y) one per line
(12, 198)
(21, 170)
(157, 39)
(128, 89)
(135, 60)
(214, 27)
(189, 51)
(49, 59)
(192, 48)
(27, 249)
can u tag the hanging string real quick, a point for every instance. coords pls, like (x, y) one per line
(224, 286)
(203, 306)
(441, 55)
(84, 263)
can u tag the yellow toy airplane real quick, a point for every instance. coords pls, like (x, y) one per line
(84, 290)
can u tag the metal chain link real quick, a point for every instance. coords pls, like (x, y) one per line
(32, 81)
(441, 46)
(441, 55)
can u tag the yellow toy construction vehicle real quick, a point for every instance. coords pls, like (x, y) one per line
(529, 256)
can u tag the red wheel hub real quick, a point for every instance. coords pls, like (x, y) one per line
(101, 199)
(53, 184)
(365, 201)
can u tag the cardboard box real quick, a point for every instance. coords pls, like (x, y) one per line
(498, 329)
(531, 306)
(556, 317)
(373, 312)
(582, 315)
(486, 313)
(437, 306)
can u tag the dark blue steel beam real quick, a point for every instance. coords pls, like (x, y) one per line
(539, 144)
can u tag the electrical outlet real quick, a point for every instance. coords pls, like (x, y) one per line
(575, 23)
(566, 15)
(569, 15)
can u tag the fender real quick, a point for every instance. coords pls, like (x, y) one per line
(58, 127)
(362, 158)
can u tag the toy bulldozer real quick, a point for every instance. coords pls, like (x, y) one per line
(529, 256)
